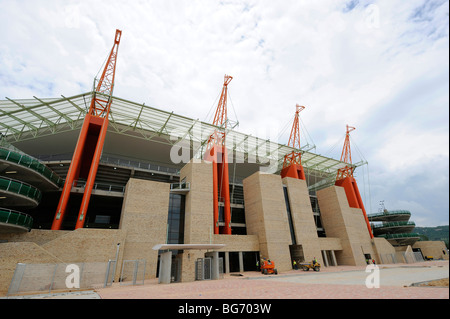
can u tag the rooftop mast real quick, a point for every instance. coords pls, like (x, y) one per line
(292, 164)
(345, 179)
(89, 147)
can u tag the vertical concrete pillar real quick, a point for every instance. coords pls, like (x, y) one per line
(325, 259)
(199, 210)
(303, 218)
(165, 268)
(266, 217)
(215, 265)
(333, 256)
(241, 261)
(144, 216)
(346, 223)
(227, 262)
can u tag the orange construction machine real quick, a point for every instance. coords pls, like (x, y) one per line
(268, 267)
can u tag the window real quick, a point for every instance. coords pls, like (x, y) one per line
(175, 222)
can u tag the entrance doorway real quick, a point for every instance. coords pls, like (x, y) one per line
(250, 258)
(296, 254)
(329, 258)
(234, 261)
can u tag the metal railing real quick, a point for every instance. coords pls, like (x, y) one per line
(137, 164)
(133, 272)
(21, 188)
(183, 186)
(30, 162)
(121, 189)
(238, 201)
(393, 224)
(100, 186)
(403, 235)
(389, 213)
(14, 217)
(108, 159)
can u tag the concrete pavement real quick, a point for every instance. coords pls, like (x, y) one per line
(389, 276)
(341, 282)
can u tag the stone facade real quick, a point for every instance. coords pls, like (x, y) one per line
(347, 224)
(436, 249)
(265, 215)
(303, 218)
(54, 246)
(198, 220)
(144, 218)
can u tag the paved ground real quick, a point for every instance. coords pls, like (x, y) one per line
(342, 282)
(87, 294)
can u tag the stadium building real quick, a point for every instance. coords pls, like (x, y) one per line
(154, 197)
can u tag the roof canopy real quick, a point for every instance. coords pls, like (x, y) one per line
(27, 119)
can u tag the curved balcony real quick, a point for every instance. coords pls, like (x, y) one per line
(14, 221)
(390, 216)
(14, 193)
(26, 168)
(393, 228)
(401, 239)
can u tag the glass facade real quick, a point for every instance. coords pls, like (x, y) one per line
(288, 211)
(238, 215)
(175, 222)
(317, 218)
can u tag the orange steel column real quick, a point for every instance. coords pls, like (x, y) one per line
(90, 143)
(72, 172)
(361, 205)
(92, 174)
(224, 192)
(216, 152)
(354, 198)
(215, 193)
(345, 179)
(221, 187)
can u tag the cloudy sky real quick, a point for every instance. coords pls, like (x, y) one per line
(380, 66)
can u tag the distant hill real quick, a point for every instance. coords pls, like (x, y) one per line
(433, 233)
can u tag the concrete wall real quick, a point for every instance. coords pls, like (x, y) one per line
(382, 248)
(86, 245)
(265, 215)
(38, 236)
(437, 249)
(329, 243)
(303, 218)
(143, 224)
(237, 242)
(347, 224)
(199, 219)
(144, 218)
(20, 252)
(188, 259)
(54, 246)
